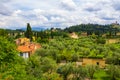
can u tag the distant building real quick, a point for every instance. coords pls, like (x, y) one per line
(116, 23)
(73, 35)
(89, 61)
(109, 41)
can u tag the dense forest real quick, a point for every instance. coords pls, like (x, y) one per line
(59, 53)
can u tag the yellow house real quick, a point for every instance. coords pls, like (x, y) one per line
(20, 41)
(89, 61)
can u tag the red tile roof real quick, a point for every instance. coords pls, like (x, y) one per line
(24, 48)
(31, 47)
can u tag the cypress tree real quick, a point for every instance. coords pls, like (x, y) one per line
(28, 32)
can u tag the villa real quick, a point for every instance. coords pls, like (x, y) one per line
(27, 48)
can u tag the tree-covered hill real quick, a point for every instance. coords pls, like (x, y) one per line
(94, 28)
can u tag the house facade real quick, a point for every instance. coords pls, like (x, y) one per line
(98, 62)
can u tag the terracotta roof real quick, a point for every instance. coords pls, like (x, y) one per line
(31, 47)
(24, 48)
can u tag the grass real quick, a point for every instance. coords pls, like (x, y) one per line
(101, 75)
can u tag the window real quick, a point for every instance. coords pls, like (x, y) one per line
(97, 63)
(25, 55)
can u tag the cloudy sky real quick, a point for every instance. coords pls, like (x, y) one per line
(57, 13)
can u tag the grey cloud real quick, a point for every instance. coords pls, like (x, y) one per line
(5, 0)
(68, 5)
(108, 18)
(90, 9)
(4, 10)
(116, 5)
(29, 16)
(97, 5)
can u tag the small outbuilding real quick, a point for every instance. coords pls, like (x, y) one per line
(91, 61)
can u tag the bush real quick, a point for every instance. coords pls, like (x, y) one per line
(100, 41)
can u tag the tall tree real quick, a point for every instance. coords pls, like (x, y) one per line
(28, 32)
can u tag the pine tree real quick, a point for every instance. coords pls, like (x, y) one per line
(28, 32)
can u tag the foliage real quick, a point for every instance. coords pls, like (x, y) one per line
(101, 75)
(91, 69)
(100, 40)
(58, 47)
(45, 40)
(114, 72)
(28, 32)
(11, 65)
(65, 70)
(37, 67)
(79, 73)
(113, 60)
(96, 29)
(3, 33)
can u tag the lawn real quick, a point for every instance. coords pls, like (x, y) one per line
(101, 75)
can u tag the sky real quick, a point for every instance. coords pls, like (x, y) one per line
(15, 14)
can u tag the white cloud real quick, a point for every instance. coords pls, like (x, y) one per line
(57, 13)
